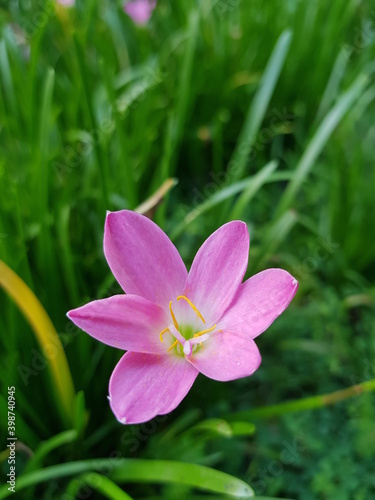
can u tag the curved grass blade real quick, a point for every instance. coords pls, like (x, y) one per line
(242, 428)
(46, 336)
(141, 471)
(193, 475)
(216, 426)
(46, 447)
(99, 483)
(221, 427)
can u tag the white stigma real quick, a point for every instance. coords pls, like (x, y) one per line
(187, 348)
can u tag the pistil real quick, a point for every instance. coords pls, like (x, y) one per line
(174, 329)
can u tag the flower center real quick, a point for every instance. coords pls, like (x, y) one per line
(184, 335)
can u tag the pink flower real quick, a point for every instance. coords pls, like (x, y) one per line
(175, 324)
(140, 10)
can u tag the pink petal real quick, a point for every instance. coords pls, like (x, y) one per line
(227, 355)
(140, 10)
(142, 257)
(143, 386)
(128, 322)
(259, 301)
(218, 270)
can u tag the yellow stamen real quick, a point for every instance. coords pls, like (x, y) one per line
(204, 331)
(172, 346)
(173, 316)
(192, 306)
(162, 333)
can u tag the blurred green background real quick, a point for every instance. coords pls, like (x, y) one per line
(263, 111)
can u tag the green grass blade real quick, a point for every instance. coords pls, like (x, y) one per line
(258, 180)
(333, 84)
(100, 159)
(216, 426)
(195, 476)
(304, 404)
(7, 80)
(46, 336)
(45, 448)
(260, 104)
(221, 427)
(212, 201)
(99, 483)
(80, 414)
(320, 139)
(185, 83)
(69, 274)
(41, 164)
(212, 497)
(242, 428)
(274, 237)
(222, 195)
(141, 471)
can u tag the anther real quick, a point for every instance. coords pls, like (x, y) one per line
(173, 316)
(162, 333)
(173, 345)
(204, 331)
(192, 306)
